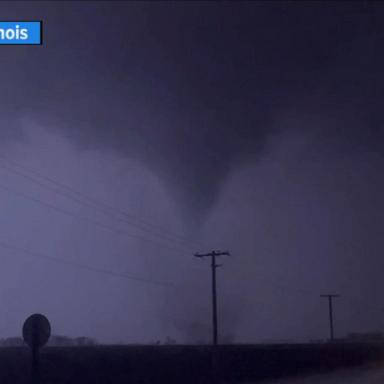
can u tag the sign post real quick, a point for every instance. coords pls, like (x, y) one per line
(36, 333)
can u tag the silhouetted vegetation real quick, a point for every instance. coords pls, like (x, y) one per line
(367, 337)
(54, 341)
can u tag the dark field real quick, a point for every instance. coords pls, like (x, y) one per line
(181, 364)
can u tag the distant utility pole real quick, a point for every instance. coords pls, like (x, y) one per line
(330, 306)
(213, 255)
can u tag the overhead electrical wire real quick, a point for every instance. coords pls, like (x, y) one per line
(89, 220)
(83, 266)
(97, 204)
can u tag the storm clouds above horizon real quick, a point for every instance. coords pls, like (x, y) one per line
(253, 127)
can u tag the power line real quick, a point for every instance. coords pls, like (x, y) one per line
(92, 221)
(83, 266)
(94, 203)
(98, 201)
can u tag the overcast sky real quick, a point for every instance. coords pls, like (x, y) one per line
(141, 133)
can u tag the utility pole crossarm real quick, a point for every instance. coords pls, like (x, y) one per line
(213, 253)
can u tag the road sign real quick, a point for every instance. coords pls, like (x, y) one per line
(36, 330)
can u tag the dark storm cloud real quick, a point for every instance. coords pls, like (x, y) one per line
(262, 118)
(192, 89)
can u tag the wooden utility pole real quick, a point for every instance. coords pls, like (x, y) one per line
(213, 256)
(330, 297)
